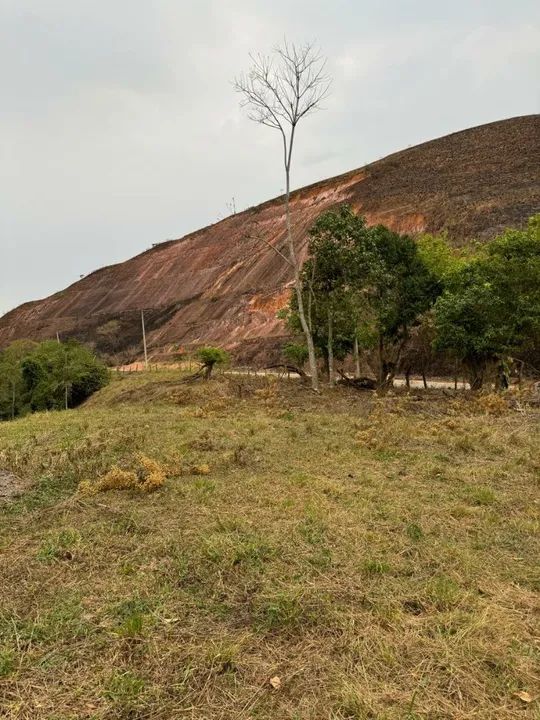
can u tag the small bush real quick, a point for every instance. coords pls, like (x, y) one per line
(211, 356)
(296, 353)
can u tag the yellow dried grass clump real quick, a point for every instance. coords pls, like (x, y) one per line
(144, 475)
(203, 469)
(492, 404)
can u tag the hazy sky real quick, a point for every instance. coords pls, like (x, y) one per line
(119, 126)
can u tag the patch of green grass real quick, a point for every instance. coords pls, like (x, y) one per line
(444, 592)
(58, 546)
(480, 495)
(7, 662)
(414, 532)
(124, 689)
(284, 610)
(373, 566)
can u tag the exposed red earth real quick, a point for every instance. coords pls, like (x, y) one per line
(220, 286)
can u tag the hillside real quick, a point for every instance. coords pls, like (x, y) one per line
(216, 285)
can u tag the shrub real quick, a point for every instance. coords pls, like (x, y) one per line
(211, 356)
(297, 353)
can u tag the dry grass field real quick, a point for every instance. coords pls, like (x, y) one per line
(342, 557)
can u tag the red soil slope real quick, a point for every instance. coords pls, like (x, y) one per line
(217, 286)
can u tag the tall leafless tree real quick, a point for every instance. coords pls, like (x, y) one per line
(280, 90)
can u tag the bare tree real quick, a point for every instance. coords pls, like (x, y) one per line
(279, 90)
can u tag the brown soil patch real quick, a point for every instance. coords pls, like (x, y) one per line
(11, 486)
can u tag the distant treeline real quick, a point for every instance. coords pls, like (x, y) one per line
(47, 376)
(396, 303)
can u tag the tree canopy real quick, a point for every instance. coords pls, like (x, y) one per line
(490, 308)
(47, 376)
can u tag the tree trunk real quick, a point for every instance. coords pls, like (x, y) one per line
(476, 371)
(301, 313)
(330, 349)
(381, 369)
(356, 356)
(387, 368)
(207, 371)
(424, 378)
(408, 377)
(297, 281)
(501, 377)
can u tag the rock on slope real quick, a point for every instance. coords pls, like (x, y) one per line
(218, 286)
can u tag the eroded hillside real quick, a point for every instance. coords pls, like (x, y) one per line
(221, 285)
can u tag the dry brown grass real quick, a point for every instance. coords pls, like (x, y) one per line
(379, 556)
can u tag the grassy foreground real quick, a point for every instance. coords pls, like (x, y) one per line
(342, 557)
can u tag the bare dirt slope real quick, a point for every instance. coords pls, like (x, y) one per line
(216, 285)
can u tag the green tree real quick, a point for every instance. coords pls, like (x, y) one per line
(210, 357)
(49, 375)
(398, 288)
(490, 308)
(330, 279)
(296, 353)
(363, 286)
(11, 378)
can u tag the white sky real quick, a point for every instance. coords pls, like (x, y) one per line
(119, 126)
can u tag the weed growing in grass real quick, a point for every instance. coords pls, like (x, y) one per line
(284, 610)
(131, 627)
(131, 617)
(204, 487)
(313, 529)
(414, 532)
(223, 657)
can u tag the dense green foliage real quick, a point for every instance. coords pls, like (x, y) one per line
(47, 376)
(211, 356)
(404, 301)
(490, 308)
(296, 353)
(365, 284)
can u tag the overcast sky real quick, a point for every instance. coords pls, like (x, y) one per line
(119, 126)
